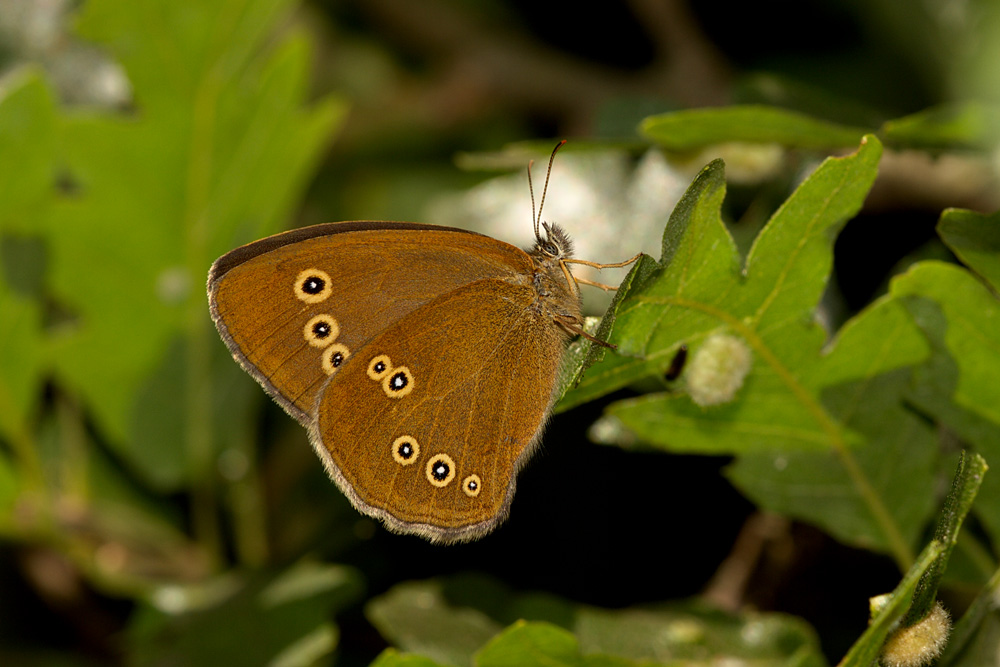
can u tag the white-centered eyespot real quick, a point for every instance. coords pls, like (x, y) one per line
(313, 286)
(334, 357)
(472, 485)
(717, 370)
(405, 450)
(379, 367)
(398, 383)
(440, 470)
(321, 330)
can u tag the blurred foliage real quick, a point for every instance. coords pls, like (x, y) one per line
(829, 202)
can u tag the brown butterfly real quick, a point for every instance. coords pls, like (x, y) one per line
(421, 359)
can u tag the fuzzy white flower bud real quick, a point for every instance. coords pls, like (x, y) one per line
(920, 643)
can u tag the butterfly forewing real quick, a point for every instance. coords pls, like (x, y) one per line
(427, 424)
(295, 307)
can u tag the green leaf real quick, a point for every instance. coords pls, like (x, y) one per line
(412, 616)
(686, 630)
(27, 151)
(975, 639)
(953, 126)
(972, 315)
(874, 493)
(282, 619)
(27, 162)
(217, 152)
(975, 238)
(440, 618)
(530, 644)
(527, 644)
(958, 315)
(393, 658)
(866, 649)
(695, 128)
(582, 354)
(22, 360)
(842, 403)
(692, 223)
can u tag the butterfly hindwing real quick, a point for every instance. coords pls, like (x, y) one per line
(427, 424)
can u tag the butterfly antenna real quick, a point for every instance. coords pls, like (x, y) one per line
(545, 188)
(534, 219)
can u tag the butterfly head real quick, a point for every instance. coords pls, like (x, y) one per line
(557, 245)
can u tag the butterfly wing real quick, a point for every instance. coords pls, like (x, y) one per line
(293, 307)
(427, 425)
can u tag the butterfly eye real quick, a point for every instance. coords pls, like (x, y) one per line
(334, 357)
(399, 383)
(405, 450)
(321, 330)
(440, 470)
(313, 286)
(472, 485)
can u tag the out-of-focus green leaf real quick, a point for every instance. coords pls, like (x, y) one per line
(975, 641)
(27, 151)
(695, 128)
(158, 419)
(955, 126)
(439, 619)
(447, 635)
(284, 619)
(393, 658)
(22, 359)
(27, 163)
(217, 151)
(975, 238)
(684, 631)
(537, 644)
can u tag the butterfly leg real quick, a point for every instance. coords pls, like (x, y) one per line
(616, 265)
(606, 288)
(573, 326)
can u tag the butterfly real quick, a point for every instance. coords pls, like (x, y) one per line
(421, 359)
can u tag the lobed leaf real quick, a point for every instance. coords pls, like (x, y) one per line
(810, 422)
